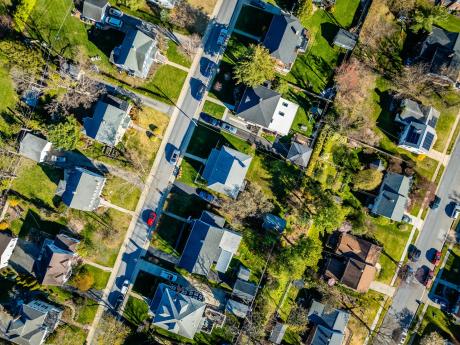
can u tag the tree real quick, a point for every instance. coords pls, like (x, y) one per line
(6, 25)
(304, 9)
(83, 279)
(422, 191)
(280, 85)
(401, 8)
(432, 339)
(255, 67)
(426, 16)
(413, 81)
(191, 18)
(367, 179)
(22, 13)
(131, 4)
(65, 135)
(111, 331)
(191, 44)
(27, 59)
(298, 316)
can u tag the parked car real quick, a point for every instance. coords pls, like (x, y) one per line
(429, 278)
(455, 210)
(200, 92)
(124, 287)
(436, 258)
(414, 254)
(435, 203)
(151, 219)
(58, 159)
(115, 12)
(223, 34)
(205, 195)
(229, 128)
(174, 156)
(115, 22)
(119, 302)
(211, 120)
(168, 275)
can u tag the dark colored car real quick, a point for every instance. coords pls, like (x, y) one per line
(205, 195)
(414, 254)
(200, 91)
(435, 203)
(429, 279)
(151, 219)
(211, 120)
(436, 258)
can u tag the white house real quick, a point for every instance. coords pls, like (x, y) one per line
(265, 108)
(7, 244)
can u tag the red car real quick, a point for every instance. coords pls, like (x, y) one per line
(436, 258)
(151, 219)
(429, 278)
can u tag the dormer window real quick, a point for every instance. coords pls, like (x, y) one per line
(285, 104)
(281, 113)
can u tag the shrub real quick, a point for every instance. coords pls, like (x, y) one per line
(83, 279)
(367, 179)
(3, 225)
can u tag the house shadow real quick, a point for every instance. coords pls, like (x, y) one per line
(105, 40)
(34, 220)
(329, 30)
(386, 119)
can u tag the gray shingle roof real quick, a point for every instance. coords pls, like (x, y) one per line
(109, 122)
(95, 9)
(82, 189)
(258, 105)
(208, 244)
(177, 313)
(330, 324)
(277, 334)
(237, 308)
(393, 197)
(226, 169)
(299, 154)
(244, 290)
(283, 38)
(36, 321)
(345, 39)
(135, 53)
(34, 147)
(5, 241)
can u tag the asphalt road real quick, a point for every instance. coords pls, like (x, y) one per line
(179, 138)
(431, 238)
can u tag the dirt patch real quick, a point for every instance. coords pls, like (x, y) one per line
(205, 5)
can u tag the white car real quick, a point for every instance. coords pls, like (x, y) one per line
(168, 275)
(124, 287)
(455, 211)
(229, 128)
(115, 12)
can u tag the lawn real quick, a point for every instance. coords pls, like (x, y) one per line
(213, 109)
(87, 312)
(166, 83)
(452, 23)
(8, 96)
(175, 55)
(151, 119)
(393, 238)
(184, 205)
(189, 170)
(451, 271)
(66, 331)
(121, 193)
(167, 233)
(136, 311)
(314, 69)
(100, 277)
(436, 320)
(103, 232)
(37, 183)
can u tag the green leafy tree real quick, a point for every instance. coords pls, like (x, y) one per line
(65, 135)
(367, 179)
(22, 13)
(425, 17)
(255, 67)
(346, 158)
(304, 9)
(83, 279)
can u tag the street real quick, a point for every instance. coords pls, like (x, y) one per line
(431, 238)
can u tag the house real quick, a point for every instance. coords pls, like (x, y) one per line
(277, 333)
(95, 10)
(109, 122)
(236, 308)
(329, 325)
(7, 244)
(225, 170)
(177, 312)
(285, 38)
(244, 291)
(345, 39)
(419, 126)
(274, 223)
(136, 54)
(168, 4)
(354, 262)
(54, 265)
(209, 243)
(393, 197)
(34, 147)
(441, 50)
(81, 189)
(299, 154)
(265, 108)
(35, 322)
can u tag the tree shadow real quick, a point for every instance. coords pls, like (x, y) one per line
(106, 40)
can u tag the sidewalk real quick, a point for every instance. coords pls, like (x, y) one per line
(383, 288)
(176, 65)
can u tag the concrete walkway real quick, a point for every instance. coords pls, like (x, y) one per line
(176, 65)
(115, 207)
(383, 288)
(103, 268)
(195, 158)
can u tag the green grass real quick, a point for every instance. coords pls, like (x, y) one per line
(37, 183)
(451, 271)
(213, 109)
(454, 139)
(184, 205)
(451, 24)
(100, 277)
(176, 56)
(393, 240)
(436, 320)
(189, 170)
(136, 311)
(166, 84)
(8, 96)
(167, 233)
(87, 312)
(66, 331)
(121, 193)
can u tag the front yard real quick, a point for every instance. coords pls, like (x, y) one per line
(121, 193)
(451, 270)
(436, 320)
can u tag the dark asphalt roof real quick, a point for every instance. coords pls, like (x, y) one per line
(272, 222)
(299, 154)
(245, 290)
(345, 39)
(258, 105)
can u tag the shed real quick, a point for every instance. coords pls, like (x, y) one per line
(277, 334)
(272, 222)
(345, 39)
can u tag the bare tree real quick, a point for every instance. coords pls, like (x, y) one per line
(191, 18)
(413, 81)
(432, 339)
(191, 44)
(111, 331)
